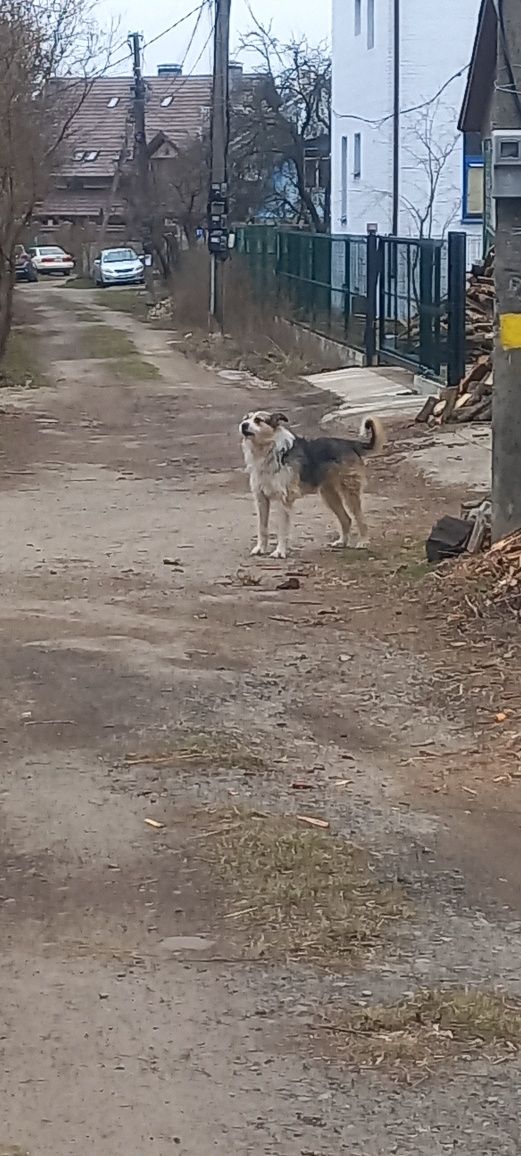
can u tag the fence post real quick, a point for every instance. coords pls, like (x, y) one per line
(347, 285)
(457, 274)
(371, 286)
(427, 353)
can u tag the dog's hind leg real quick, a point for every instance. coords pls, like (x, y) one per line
(281, 549)
(333, 500)
(353, 488)
(263, 517)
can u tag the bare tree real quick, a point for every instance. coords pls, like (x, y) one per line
(281, 115)
(430, 140)
(39, 41)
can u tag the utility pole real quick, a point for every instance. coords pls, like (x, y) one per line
(396, 117)
(506, 159)
(141, 158)
(218, 193)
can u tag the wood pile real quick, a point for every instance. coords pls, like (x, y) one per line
(471, 399)
(501, 568)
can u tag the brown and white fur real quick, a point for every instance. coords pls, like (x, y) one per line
(283, 467)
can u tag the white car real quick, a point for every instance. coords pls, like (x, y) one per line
(51, 259)
(118, 267)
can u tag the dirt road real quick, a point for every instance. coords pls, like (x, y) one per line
(151, 671)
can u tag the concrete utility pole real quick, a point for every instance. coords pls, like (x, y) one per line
(141, 158)
(506, 412)
(396, 117)
(218, 194)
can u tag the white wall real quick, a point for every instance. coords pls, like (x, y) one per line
(362, 87)
(436, 41)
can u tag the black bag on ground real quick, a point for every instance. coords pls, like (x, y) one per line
(448, 538)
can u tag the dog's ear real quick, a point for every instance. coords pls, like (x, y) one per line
(276, 419)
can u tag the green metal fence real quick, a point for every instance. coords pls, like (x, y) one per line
(318, 279)
(259, 244)
(395, 299)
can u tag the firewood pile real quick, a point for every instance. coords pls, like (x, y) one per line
(471, 399)
(501, 568)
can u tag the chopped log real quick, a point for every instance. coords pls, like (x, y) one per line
(426, 410)
(450, 397)
(479, 531)
(482, 411)
(479, 370)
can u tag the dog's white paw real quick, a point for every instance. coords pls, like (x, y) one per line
(279, 552)
(361, 544)
(258, 549)
(339, 544)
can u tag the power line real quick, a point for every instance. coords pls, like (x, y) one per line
(193, 11)
(378, 122)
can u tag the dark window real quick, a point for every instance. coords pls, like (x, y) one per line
(370, 23)
(357, 155)
(358, 17)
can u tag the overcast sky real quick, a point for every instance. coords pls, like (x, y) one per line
(289, 17)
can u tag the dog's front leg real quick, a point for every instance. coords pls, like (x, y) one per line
(284, 529)
(263, 517)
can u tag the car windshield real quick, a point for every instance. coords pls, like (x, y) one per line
(114, 255)
(52, 251)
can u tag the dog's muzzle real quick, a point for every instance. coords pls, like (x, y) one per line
(245, 430)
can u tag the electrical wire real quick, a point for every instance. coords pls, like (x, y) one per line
(193, 11)
(378, 122)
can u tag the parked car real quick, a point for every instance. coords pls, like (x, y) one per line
(51, 259)
(25, 270)
(118, 267)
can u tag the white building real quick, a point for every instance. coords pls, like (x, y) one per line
(409, 173)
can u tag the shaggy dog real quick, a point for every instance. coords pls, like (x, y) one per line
(284, 467)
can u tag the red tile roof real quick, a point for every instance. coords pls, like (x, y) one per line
(96, 127)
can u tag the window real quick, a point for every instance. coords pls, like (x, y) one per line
(358, 17)
(343, 181)
(78, 155)
(91, 156)
(113, 102)
(473, 177)
(370, 23)
(357, 155)
(166, 101)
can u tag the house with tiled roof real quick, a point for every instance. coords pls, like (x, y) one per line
(100, 142)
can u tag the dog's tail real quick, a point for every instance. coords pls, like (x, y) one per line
(372, 428)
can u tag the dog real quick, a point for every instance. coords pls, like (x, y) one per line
(283, 467)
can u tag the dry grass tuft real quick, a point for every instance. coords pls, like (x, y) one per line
(424, 1030)
(213, 752)
(21, 365)
(104, 341)
(299, 892)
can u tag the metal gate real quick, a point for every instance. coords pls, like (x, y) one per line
(421, 304)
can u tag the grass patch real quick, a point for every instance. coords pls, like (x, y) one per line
(21, 365)
(104, 341)
(299, 892)
(136, 302)
(431, 1027)
(409, 563)
(135, 369)
(217, 751)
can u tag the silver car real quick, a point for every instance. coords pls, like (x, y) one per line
(118, 267)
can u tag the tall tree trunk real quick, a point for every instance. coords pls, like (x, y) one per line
(7, 279)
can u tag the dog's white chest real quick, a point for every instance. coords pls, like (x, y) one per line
(269, 475)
